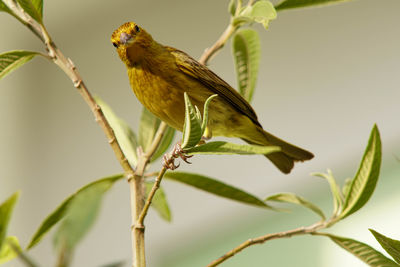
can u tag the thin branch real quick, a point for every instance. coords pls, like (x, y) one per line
(22, 255)
(262, 239)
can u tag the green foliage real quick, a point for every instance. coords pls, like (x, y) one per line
(4, 8)
(288, 4)
(34, 8)
(362, 251)
(232, 7)
(8, 253)
(125, 136)
(261, 12)
(6, 209)
(225, 148)
(298, 200)
(166, 142)
(12, 60)
(159, 202)
(363, 184)
(194, 126)
(147, 128)
(64, 208)
(391, 246)
(215, 187)
(246, 50)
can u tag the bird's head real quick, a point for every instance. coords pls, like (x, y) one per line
(131, 42)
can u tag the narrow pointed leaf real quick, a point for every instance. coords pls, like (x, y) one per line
(298, 200)
(147, 129)
(225, 148)
(337, 197)
(215, 187)
(6, 209)
(362, 251)
(232, 7)
(62, 210)
(205, 114)
(391, 246)
(81, 214)
(11, 60)
(246, 52)
(288, 4)
(125, 136)
(364, 182)
(159, 202)
(165, 143)
(6, 252)
(192, 131)
(33, 7)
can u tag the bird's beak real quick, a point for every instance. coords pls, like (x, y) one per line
(126, 38)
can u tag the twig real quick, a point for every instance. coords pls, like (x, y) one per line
(262, 239)
(22, 255)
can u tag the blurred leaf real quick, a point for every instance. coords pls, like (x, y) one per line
(362, 251)
(215, 187)
(125, 136)
(165, 143)
(337, 197)
(115, 264)
(294, 199)
(232, 7)
(287, 4)
(159, 202)
(147, 128)
(63, 209)
(391, 246)
(192, 131)
(82, 212)
(225, 148)
(34, 8)
(261, 12)
(11, 60)
(6, 209)
(364, 182)
(346, 186)
(6, 252)
(246, 52)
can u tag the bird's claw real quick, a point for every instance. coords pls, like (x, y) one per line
(169, 159)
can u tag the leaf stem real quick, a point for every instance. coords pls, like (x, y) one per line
(262, 239)
(22, 255)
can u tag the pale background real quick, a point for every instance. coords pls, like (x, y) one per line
(326, 76)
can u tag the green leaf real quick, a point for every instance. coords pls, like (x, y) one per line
(391, 246)
(63, 209)
(294, 199)
(225, 148)
(159, 202)
(362, 251)
(115, 264)
(215, 187)
(147, 128)
(6, 209)
(125, 136)
(192, 131)
(232, 7)
(363, 184)
(246, 52)
(34, 8)
(81, 214)
(288, 4)
(11, 60)
(4, 7)
(6, 252)
(165, 143)
(261, 12)
(337, 197)
(346, 186)
(205, 114)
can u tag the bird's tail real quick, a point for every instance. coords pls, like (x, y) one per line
(289, 154)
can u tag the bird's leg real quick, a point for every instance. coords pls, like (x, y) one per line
(177, 151)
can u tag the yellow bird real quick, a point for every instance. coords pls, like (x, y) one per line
(159, 75)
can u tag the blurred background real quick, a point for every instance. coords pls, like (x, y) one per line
(326, 76)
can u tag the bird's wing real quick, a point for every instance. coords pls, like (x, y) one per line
(213, 82)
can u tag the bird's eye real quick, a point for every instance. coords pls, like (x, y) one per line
(137, 29)
(115, 44)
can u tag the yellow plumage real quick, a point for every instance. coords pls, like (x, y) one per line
(159, 75)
